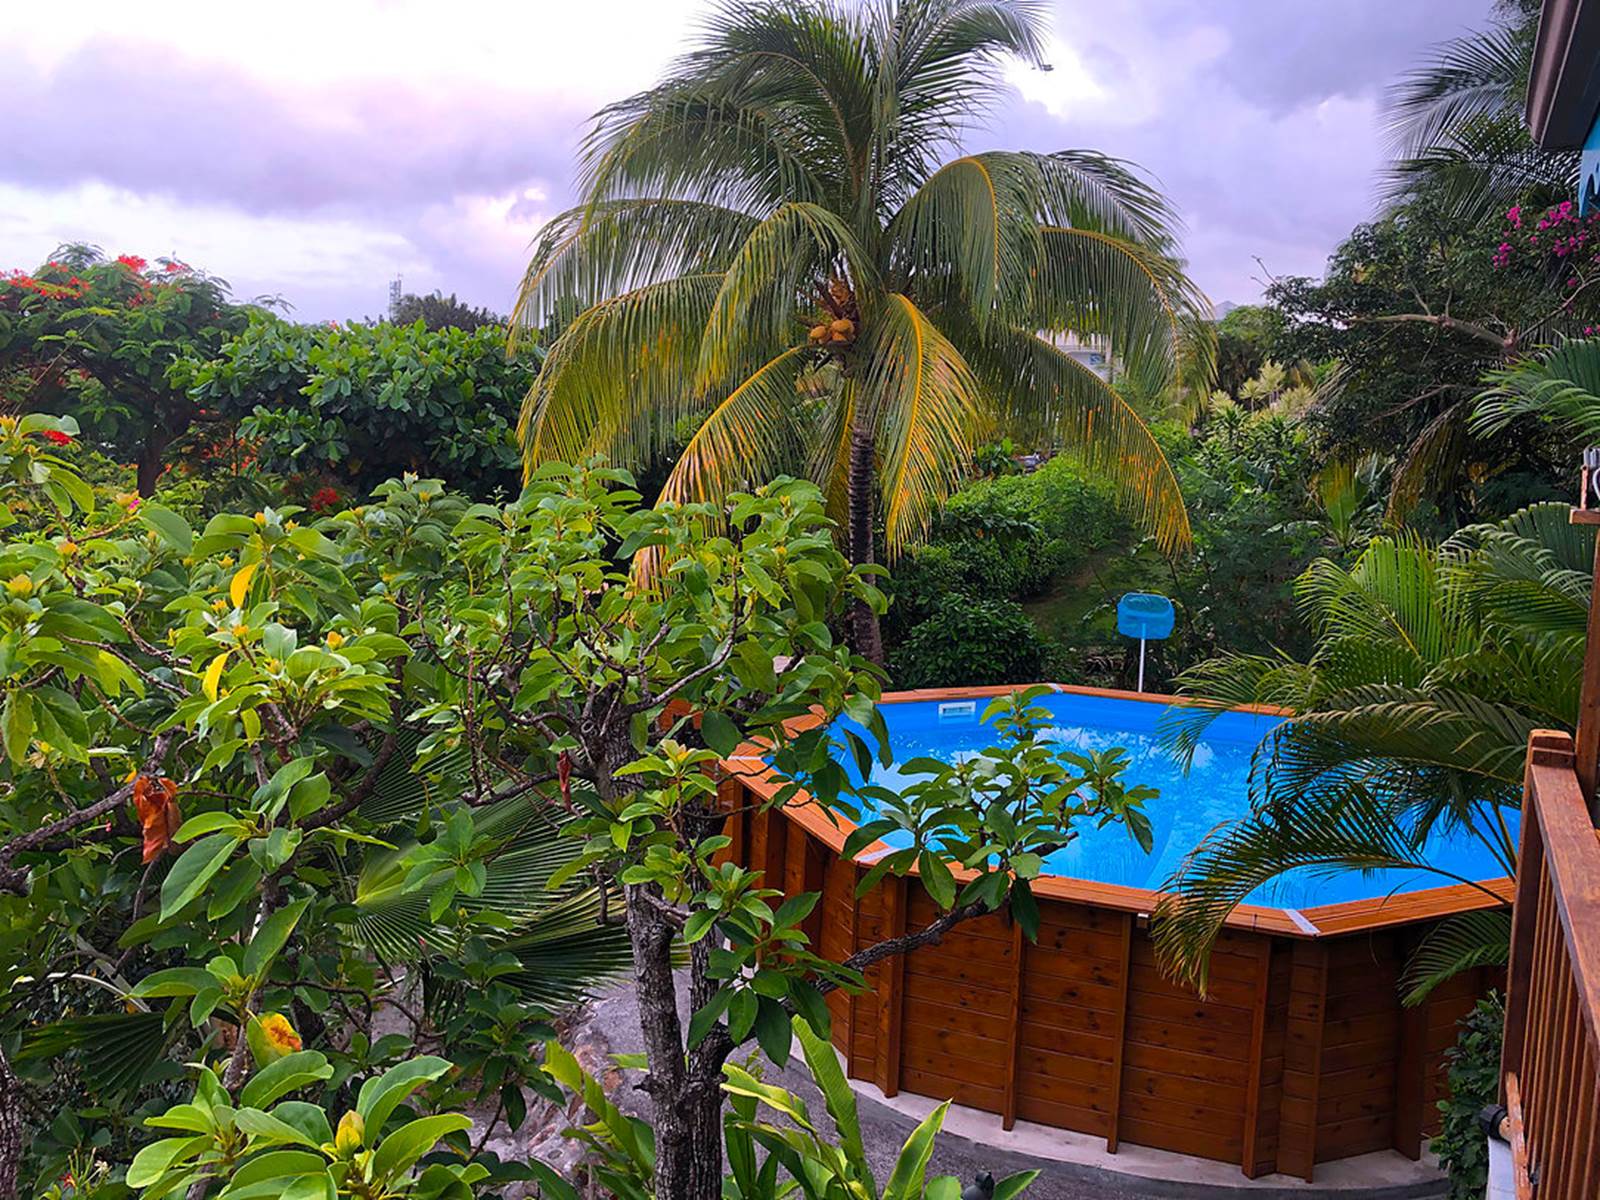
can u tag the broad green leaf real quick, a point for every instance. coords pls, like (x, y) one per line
(381, 1095)
(270, 938)
(194, 869)
(264, 1125)
(911, 1168)
(239, 589)
(721, 734)
(287, 1074)
(398, 1151)
(172, 528)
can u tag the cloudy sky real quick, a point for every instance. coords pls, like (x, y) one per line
(316, 150)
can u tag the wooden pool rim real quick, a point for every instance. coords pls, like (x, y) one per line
(1300, 1054)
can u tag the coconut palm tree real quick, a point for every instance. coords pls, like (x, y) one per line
(1457, 128)
(782, 255)
(1432, 665)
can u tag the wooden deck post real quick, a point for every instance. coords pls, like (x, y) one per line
(1113, 1132)
(1588, 737)
(891, 989)
(1545, 748)
(1256, 1124)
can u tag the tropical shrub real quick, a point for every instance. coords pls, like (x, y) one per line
(1473, 1068)
(228, 832)
(278, 773)
(351, 406)
(437, 311)
(98, 338)
(1430, 667)
(966, 640)
(758, 1149)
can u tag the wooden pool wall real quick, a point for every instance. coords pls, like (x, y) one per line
(1300, 1054)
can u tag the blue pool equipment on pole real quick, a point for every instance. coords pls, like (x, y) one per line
(1146, 616)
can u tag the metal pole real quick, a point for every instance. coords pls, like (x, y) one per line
(1141, 664)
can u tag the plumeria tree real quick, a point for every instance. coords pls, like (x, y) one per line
(271, 775)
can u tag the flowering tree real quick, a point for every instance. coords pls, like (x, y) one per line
(97, 338)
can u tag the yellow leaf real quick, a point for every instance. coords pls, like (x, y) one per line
(240, 587)
(213, 677)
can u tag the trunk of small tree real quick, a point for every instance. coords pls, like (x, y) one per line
(865, 634)
(685, 1086)
(151, 462)
(10, 1130)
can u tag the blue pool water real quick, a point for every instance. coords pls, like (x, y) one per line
(1191, 805)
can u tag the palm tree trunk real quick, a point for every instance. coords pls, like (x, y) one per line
(865, 634)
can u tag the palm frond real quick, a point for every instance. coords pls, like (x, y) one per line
(1456, 944)
(757, 310)
(1479, 77)
(1560, 387)
(591, 253)
(620, 376)
(1229, 682)
(1131, 299)
(929, 408)
(1437, 453)
(940, 66)
(1040, 394)
(973, 222)
(1351, 828)
(119, 1050)
(755, 432)
(528, 848)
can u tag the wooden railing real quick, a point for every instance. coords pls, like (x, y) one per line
(1552, 1044)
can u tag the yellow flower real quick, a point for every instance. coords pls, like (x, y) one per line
(68, 548)
(241, 631)
(8, 424)
(335, 639)
(219, 605)
(20, 585)
(292, 525)
(225, 561)
(271, 665)
(352, 1132)
(260, 518)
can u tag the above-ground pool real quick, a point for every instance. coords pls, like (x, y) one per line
(1299, 1053)
(1214, 790)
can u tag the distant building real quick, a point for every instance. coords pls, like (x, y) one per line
(1091, 352)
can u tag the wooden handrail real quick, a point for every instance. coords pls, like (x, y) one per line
(1552, 1044)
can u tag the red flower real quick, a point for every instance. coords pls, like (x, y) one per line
(132, 261)
(56, 436)
(323, 499)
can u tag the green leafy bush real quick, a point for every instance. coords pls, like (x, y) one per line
(971, 641)
(359, 404)
(1474, 1076)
